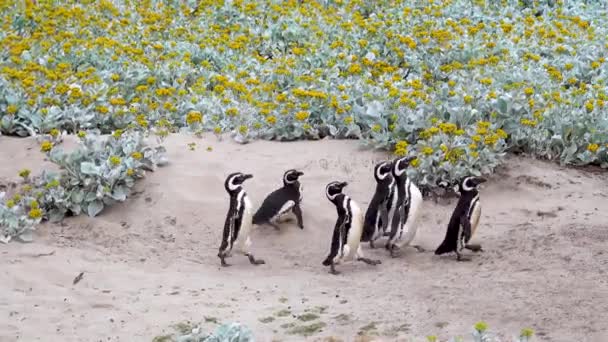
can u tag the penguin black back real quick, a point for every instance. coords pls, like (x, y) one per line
(282, 200)
(333, 192)
(459, 227)
(376, 216)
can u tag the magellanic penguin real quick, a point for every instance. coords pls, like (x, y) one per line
(464, 220)
(376, 216)
(238, 220)
(282, 201)
(345, 242)
(407, 208)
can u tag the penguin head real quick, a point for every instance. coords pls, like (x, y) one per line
(400, 166)
(382, 171)
(333, 189)
(291, 176)
(235, 180)
(470, 183)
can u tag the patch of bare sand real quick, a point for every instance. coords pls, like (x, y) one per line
(151, 262)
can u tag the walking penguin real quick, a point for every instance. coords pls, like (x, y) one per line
(464, 220)
(281, 201)
(376, 216)
(407, 208)
(345, 241)
(238, 220)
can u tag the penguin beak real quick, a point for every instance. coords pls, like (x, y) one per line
(300, 173)
(480, 180)
(247, 176)
(343, 184)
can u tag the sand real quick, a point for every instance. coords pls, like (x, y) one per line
(151, 263)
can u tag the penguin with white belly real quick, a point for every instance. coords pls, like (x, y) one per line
(376, 216)
(407, 208)
(237, 227)
(345, 242)
(282, 201)
(464, 220)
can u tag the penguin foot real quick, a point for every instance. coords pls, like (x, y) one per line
(461, 258)
(419, 249)
(332, 270)
(371, 244)
(255, 261)
(474, 247)
(224, 263)
(395, 252)
(370, 261)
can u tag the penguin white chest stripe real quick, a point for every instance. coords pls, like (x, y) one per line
(301, 190)
(474, 214)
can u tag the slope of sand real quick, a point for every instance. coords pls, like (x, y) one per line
(151, 262)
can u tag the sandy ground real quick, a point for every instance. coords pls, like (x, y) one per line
(151, 263)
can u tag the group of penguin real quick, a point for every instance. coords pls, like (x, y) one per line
(392, 213)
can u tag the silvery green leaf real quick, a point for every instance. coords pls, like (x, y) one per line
(120, 193)
(94, 208)
(89, 168)
(26, 236)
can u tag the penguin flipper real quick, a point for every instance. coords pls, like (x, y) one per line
(466, 225)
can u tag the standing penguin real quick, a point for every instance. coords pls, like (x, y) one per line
(407, 208)
(345, 242)
(238, 220)
(282, 201)
(376, 216)
(464, 220)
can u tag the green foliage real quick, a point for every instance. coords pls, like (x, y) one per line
(382, 72)
(100, 171)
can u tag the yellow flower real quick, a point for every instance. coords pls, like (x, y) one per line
(217, 130)
(11, 109)
(137, 155)
(415, 162)
(427, 150)
(448, 127)
(46, 146)
(243, 129)
(501, 133)
(35, 213)
(115, 160)
(194, 116)
(81, 134)
(34, 204)
(348, 120)
(468, 99)
(593, 147)
(271, 120)
(376, 128)
(529, 91)
(10, 204)
(130, 172)
(232, 111)
(431, 338)
(301, 116)
(481, 326)
(115, 77)
(526, 332)
(24, 173)
(589, 106)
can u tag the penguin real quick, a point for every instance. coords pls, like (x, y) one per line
(376, 216)
(281, 201)
(345, 242)
(237, 227)
(464, 220)
(406, 210)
